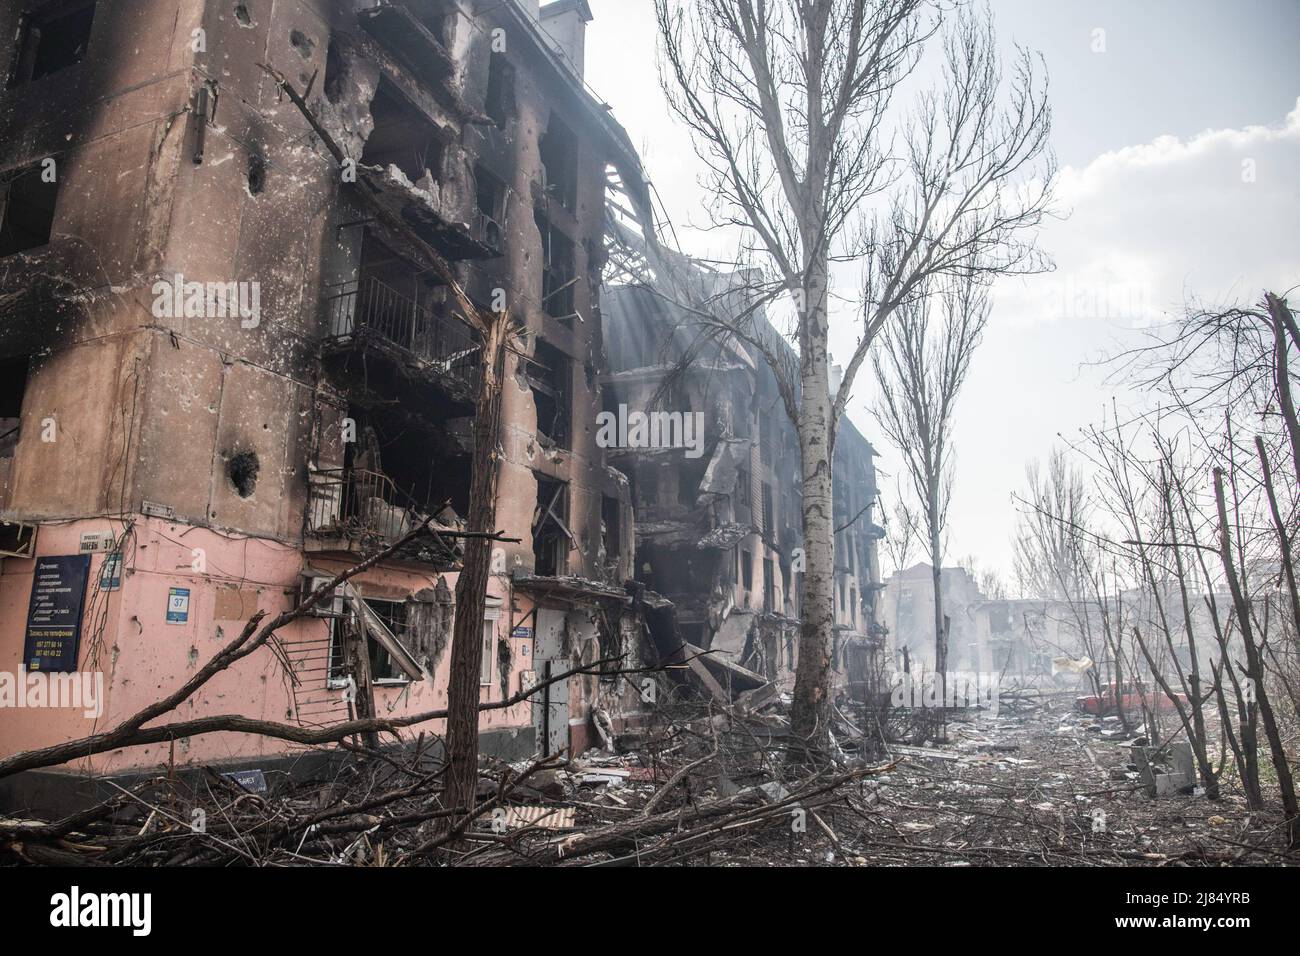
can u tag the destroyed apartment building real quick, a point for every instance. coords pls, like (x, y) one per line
(236, 242)
(718, 525)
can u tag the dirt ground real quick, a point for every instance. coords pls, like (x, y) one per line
(1045, 786)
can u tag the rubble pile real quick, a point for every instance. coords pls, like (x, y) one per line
(708, 784)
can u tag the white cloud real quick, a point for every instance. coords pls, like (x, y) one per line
(1213, 216)
(1151, 226)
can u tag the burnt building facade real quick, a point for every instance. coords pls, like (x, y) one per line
(243, 244)
(718, 530)
(233, 364)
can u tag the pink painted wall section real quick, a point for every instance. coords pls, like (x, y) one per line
(126, 637)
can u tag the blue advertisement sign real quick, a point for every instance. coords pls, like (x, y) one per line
(54, 613)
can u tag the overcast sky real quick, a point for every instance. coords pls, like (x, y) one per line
(1152, 135)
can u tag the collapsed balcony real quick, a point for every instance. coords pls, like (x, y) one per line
(416, 32)
(356, 510)
(404, 169)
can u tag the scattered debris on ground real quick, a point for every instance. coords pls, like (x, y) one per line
(1037, 784)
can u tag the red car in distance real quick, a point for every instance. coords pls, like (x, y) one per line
(1133, 694)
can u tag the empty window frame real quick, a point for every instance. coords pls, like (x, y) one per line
(769, 585)
(611, 516)
(490, 198)
(744, 497)
(499, 104)
(490, 617)
(742, 425)
(27, 205)
(609, 641)
(559, 271)
(767, 453)
(402, 136)
(559, 154)
(746, 570)
(689, 475)
(647, 484)
(551, 535)
(550, 374)
(51, 39)
(769, 528)
(383, 669)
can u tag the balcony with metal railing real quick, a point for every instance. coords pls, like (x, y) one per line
(371, 312)
(361, 511)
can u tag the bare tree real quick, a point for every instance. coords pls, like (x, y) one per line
(1052, 546)
(1060, 559)
(900, 532)
(1211, 564)
(787, 101)
(921, 361)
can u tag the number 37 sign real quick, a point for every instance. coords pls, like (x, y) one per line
(178, 605)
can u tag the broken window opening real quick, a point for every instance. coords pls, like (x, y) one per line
(611, 516)
(13, 386)
(609, 642)
(689, 476)
(499, 104)
(383, 669)
(550, 376)
(51, 40)
(769, 586)
(551, 535)
(27, 204)
(559, 271)
(741, 424)
(647, 485)
(490, 196)
(767, 510)
(744, 496)
(425, 473)
(559, 155)
(490, 616)
(746, 573)
(336, 73)
(693, 633)
(402, 136)
(394, 469)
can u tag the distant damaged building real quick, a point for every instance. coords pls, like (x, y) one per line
(231, 365)
(718, 531)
